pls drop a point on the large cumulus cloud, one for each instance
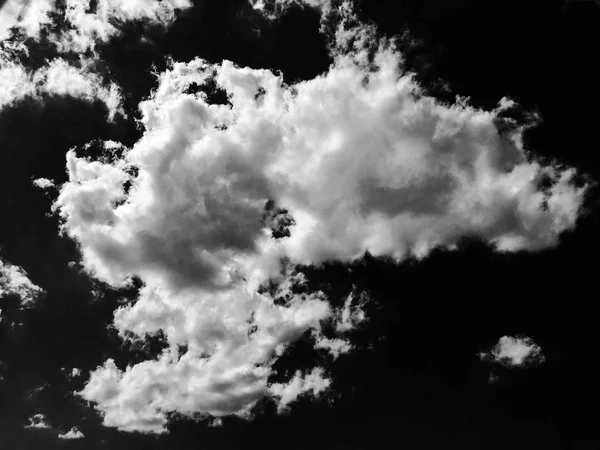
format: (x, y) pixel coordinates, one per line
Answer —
(362, 161)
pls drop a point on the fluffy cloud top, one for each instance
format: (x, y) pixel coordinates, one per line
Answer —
(73, 433)
(514, 351)
(360, 159)
(14, 280)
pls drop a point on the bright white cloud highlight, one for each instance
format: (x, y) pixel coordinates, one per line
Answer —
(14, 281)
(514, 351)
(73, 433)
(360, 158)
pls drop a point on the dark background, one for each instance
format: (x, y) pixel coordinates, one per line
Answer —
(415, 381)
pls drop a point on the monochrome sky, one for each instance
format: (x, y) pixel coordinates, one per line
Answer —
(298, 224)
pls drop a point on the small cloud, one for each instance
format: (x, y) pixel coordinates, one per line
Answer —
(216, 422)
(352, 313)
(14, 280)
(275, 8)
(505, 104)
(514, 352)
(346, 319)
(38, 421)
(56, 77)
(43, 183)
(73, 433)
(313, 383)
(335, 347)
(72, 373)
(493, 378)
(32, 393)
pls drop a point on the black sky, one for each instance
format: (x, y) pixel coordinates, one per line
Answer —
(415, 381)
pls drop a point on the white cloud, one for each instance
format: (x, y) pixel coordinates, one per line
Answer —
(272, 8)
(362, 161)
(73, 433)
(61, 78)
(347, 318)
(352, 313)
(81, 30)
(34, 392)
(225, 368)
(57, 77)
(38, 421)
(84, 26)
(335, 347)
(14, 280)
(514, 351)
(43, 183)
(73, 372)
(218, 422)
(493, 378)
(310, 383)
(32, 16)
(106, 22)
